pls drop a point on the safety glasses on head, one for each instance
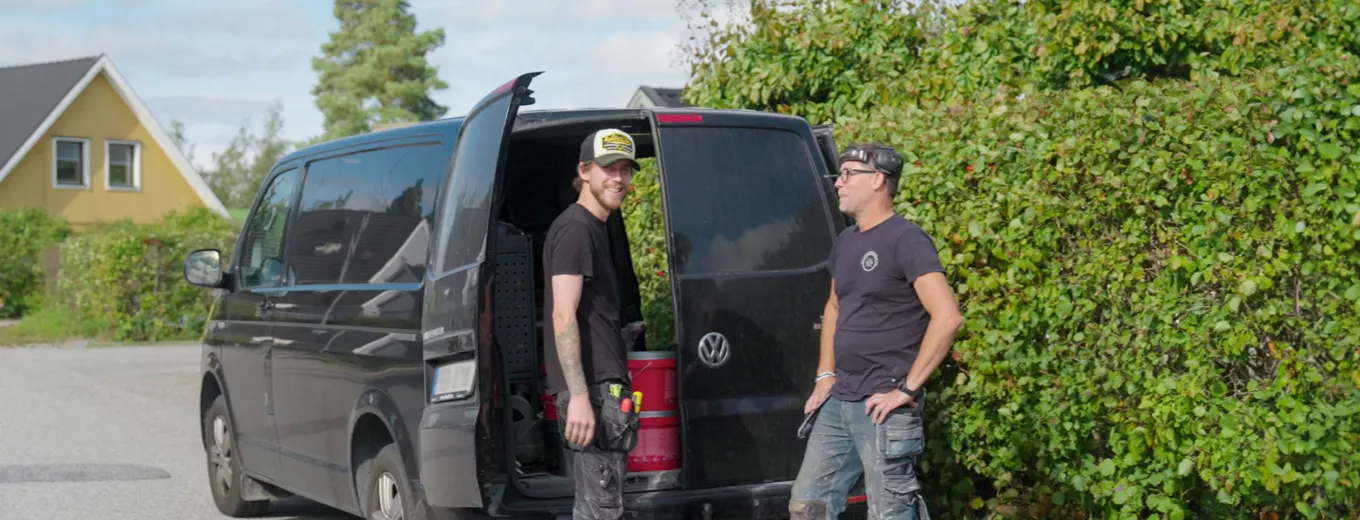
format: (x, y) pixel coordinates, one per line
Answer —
(883, 159)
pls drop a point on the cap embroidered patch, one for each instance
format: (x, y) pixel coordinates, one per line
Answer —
(613, 141)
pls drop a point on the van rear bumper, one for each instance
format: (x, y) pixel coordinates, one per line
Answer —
(748, 501)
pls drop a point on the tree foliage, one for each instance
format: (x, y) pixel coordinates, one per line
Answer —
(374, 69)
(1149, 212)
(238, 170)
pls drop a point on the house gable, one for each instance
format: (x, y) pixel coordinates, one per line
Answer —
(98, 112)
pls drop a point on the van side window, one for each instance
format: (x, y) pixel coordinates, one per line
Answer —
(743, 200)
(365, 218)
(467, 206)
(262, 249)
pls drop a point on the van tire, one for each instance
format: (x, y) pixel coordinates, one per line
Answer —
(385, 474)
(225, 476)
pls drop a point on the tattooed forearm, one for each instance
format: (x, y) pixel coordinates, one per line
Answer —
(569, 353)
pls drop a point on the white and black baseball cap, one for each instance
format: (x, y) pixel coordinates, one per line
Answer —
(609, 145)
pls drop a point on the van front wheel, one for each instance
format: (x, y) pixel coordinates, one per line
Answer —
(224, 464)
(385, 490)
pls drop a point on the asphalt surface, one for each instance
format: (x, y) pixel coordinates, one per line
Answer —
(108, 433)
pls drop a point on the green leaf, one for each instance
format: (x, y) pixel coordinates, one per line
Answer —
(1329, 151)
(1185, 467)
(1247, 288)
(1107, 467)
(1221, 326)
(1235, 303)
(1306, 509)
(1314, 188)
(1353, 293)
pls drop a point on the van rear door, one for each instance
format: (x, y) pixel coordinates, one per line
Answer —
(750, 228)
(459, 371)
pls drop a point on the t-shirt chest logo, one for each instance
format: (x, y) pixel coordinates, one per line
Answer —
(869, 261)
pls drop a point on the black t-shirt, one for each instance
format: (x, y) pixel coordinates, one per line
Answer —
(881, 320)
(578, 243)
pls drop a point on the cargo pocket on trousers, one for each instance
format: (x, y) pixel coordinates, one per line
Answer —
(901, 438)
(606, 491)
(618, 428)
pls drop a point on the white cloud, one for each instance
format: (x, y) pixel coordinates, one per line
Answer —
(573, 14)
(208, 109)
(635, 53)
(39, 4)
(260, 19)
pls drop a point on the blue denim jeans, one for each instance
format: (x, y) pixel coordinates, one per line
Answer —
(844, 444)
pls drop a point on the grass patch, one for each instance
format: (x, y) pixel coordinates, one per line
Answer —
(52, 325)
(238, 215)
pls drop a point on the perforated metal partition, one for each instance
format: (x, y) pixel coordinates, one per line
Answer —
(514, 305)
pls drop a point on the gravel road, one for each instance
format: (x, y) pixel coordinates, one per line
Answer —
(108, 433)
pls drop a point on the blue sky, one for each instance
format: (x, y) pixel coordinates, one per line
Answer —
(217, 65)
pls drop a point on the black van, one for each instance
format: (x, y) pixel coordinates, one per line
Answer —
(375, 340)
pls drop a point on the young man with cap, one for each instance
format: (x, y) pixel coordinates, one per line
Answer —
(888, 324)
(587, 362)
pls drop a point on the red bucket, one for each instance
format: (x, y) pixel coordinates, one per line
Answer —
(549, 407)
(658, 446)
(653, 374)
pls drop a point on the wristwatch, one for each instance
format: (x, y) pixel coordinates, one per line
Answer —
(914, 394)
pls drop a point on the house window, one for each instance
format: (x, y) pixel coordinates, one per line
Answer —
(70, 162)
(124, 168)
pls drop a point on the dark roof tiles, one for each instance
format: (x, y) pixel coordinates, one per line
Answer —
(28, 93)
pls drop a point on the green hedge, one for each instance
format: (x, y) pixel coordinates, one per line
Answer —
(24, 234)
(1162, 291)
(646, 227)
(1149, 213)
(129, 276)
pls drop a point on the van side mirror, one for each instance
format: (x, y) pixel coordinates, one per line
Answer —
(203, 267)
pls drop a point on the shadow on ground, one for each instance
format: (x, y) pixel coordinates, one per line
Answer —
(303, 509)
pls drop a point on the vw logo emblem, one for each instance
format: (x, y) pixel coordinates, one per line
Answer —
(713, 349)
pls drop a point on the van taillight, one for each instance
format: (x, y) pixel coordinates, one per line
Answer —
(679, 118)
(858, 499)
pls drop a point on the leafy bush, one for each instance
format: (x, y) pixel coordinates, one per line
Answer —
(1159, 272)
(24, 233)
(1161, 291)
(646, 225)
(129, 275)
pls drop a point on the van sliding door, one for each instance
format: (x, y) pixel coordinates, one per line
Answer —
(750, 229)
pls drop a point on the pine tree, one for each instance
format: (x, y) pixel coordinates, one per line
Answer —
(373, 70)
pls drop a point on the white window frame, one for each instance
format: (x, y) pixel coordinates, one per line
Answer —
(136, 165)
(84, 163)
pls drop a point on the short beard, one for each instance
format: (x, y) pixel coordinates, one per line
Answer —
(598, 193)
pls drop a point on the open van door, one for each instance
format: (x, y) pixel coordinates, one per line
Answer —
(826, 142)
(456, 328)
(749, 228)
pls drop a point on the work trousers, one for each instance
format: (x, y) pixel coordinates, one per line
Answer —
(845, 443)
(598, 470)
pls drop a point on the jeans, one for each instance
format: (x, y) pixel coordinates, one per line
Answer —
(845, 443)
(597, 473)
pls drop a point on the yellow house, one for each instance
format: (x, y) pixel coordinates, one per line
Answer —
(76, 141)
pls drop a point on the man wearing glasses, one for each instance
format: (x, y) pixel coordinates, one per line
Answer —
(888, 324)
